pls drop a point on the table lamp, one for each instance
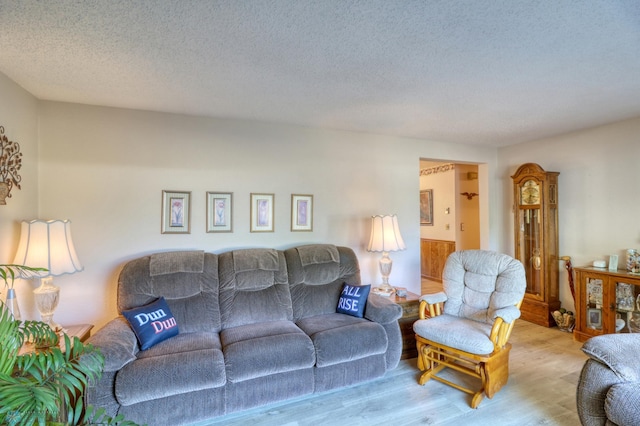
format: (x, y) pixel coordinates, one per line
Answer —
(47, 244)
(385, 237)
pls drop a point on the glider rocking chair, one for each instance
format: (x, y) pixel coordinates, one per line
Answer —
(467, 327)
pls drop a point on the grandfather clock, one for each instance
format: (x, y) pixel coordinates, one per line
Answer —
(536, 234)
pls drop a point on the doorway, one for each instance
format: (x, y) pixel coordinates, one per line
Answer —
(449, 215)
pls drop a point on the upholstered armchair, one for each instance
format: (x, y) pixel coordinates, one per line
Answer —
(467, 326)
(609, 387)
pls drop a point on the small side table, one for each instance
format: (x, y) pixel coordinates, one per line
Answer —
(410, 305)
(81, 331)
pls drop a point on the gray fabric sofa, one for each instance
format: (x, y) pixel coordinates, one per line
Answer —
(256, 326)
(609, 385)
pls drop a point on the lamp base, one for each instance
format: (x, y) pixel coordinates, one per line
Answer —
(383, 290)
(46, 297)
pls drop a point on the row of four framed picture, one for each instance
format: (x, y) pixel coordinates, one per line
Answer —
(176, 212)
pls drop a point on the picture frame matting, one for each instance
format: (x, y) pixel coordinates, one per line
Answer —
(301, 213)
(262, 219)
(176, 212)
(219, 211)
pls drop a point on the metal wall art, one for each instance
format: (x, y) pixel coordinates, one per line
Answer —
(10, 164)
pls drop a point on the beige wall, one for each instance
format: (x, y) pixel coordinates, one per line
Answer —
(598, 208)
(19, 117)
(105, 169)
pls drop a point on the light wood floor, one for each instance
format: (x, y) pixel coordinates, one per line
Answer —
(544, 369)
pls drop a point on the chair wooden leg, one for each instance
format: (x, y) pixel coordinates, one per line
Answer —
(496, 371)
(492, 371)
(421, 364)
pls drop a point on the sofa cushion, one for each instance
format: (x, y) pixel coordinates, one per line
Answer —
(152, 323)
(353, 299)
(461, 333)
(191, 296)
(188, 362)
(262, 349)
(320, 263)
(316, 274)
(253, 287)
(339, 338)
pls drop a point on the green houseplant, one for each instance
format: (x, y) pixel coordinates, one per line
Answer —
(45, 386)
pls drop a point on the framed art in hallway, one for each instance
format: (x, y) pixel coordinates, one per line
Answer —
(426, 207)
(301, 212)
(176, 212)
(262, 212)
(219, 211)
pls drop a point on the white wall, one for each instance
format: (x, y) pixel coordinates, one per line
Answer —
(599, 209)
(19, 117)
(467, 211)
(105, 169)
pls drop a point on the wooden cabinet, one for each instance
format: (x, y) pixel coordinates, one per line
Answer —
(606, 302)
(410, 305)
(433, 255)
(536, 240)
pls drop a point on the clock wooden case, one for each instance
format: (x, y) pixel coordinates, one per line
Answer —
(536, 240)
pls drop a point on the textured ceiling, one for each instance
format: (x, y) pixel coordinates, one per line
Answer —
(476, 72)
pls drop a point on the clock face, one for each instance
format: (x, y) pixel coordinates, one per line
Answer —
(530, 193)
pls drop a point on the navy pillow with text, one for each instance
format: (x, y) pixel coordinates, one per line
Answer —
(152, 323)
(353, 299)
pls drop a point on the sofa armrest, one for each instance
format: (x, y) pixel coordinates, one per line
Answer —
(117, 342)
(623, 403)
(614, 351)
(382, 309)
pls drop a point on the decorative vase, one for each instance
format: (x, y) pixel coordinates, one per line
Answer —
(11, 302)
(4, 191)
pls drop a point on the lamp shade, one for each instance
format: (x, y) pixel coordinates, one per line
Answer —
(385, 234)
(48, 244)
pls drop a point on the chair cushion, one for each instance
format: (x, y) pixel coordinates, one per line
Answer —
(188, 362)
(262, 349)
(460, 333)
(339, 338)
(479, 282)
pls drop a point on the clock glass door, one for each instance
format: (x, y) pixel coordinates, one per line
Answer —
(530, 249)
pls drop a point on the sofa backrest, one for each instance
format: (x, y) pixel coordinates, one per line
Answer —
(316, 275)
(188, 280)
(253, 287)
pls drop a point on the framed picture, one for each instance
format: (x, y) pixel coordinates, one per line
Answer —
(176, 212)
(219, 211)
(262, 212)
(594, 318)
(426, 207)
(301, 212)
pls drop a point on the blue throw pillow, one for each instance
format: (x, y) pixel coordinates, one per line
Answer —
(353, 299)
(152, 323)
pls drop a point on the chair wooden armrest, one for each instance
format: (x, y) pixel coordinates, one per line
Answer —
(427, 310)
(501, 331)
